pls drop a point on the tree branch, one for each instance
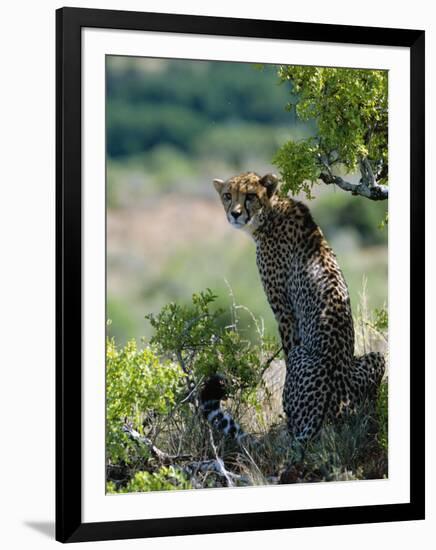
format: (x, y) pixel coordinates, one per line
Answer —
(161, 456)
(367, 173)
(215, 465)
(366, 188)
(219, 461)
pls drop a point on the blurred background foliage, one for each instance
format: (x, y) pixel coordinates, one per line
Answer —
(173, 126)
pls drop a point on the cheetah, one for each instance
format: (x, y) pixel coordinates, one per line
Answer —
(309, 297)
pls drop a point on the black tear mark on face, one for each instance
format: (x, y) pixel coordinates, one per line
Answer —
(251, 202)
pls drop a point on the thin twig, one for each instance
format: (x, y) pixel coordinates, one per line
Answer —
(188, 397)
(233, 308)
(260, 331)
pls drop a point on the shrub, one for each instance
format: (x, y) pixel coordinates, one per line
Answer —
(165, 479)
(193, 336)
(136, 382)
(156, 389)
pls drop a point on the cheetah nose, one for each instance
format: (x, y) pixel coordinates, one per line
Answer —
(236, 214)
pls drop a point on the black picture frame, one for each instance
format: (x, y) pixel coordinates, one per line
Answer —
(69, 525)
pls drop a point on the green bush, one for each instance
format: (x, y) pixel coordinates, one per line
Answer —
(136, 382)
(165, 479)
(151, 389)
(156, 391)
(194, 335)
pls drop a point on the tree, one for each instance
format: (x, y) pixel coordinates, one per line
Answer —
(350, 110)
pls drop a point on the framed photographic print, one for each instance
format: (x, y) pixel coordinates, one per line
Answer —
(240, 274)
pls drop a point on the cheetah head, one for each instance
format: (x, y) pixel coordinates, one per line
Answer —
(246, 198)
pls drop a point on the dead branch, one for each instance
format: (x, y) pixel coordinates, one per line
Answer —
(219, 462)
(161, 456)
(213, 465)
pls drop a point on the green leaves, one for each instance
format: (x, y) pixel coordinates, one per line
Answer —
(179, 328)
(298, 165)
(147, 388)
(381, 320)
(350, 108)
(195, 335)
(165, 479)
(136, 382)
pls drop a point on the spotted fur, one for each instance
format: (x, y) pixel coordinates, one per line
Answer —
(309, 297)
(214, 389)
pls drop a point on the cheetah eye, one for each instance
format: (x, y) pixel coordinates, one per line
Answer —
(251, 196)
(227, 196)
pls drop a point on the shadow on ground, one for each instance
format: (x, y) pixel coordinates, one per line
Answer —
(47, 528)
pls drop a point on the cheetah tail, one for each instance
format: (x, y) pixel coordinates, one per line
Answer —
(211, 394)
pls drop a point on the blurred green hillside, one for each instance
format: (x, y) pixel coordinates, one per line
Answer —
(173, 126)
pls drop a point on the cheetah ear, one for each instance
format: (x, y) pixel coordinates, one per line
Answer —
(270, 182)
(218, 184)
